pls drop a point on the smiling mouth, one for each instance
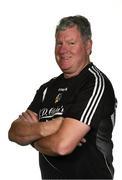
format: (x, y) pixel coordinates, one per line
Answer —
(64, 62)
(65, 58)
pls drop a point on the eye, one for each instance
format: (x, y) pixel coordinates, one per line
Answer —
(71, 43)
(58, 43)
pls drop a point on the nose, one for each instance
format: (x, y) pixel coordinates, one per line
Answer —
(62, 49)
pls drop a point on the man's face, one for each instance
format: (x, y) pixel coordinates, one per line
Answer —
(71, 51)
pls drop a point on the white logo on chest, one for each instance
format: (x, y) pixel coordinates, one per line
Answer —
(50, 113)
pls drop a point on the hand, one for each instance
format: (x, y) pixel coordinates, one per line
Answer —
(82, 142)
(29, 116)
(23, 125)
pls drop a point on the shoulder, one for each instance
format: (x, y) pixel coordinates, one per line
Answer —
(92, 77)
(99, 82)
(103, 82)
(98, 76)
(50, 83)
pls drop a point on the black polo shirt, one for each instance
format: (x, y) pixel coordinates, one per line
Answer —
(89, 98)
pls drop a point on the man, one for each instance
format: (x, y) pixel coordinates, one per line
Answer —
(71, 118)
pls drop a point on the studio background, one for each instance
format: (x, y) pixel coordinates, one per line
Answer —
(27, 60)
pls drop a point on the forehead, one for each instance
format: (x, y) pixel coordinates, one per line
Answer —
(69, 33)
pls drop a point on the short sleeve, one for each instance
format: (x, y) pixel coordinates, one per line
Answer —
(37, 101)
(87, 106)
(36, 104)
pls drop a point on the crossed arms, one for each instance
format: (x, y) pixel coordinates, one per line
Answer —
(59, 136)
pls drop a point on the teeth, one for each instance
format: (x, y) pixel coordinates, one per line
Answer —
(65, 57)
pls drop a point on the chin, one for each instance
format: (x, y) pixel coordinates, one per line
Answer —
(64, 68)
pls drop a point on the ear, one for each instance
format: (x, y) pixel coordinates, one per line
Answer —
(89, 46)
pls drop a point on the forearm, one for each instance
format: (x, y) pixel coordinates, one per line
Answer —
(50, 127)
(53, 145)
(25, 133)
(46, 145)
(65, 140)
(21, 140)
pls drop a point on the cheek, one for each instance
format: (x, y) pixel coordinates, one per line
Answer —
(56, 54)
(79, 52)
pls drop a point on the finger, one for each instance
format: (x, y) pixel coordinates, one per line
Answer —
(31, 112)
(22, 118)
(26, 116)
(80, 144)
(83, 140)
(33, 115)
